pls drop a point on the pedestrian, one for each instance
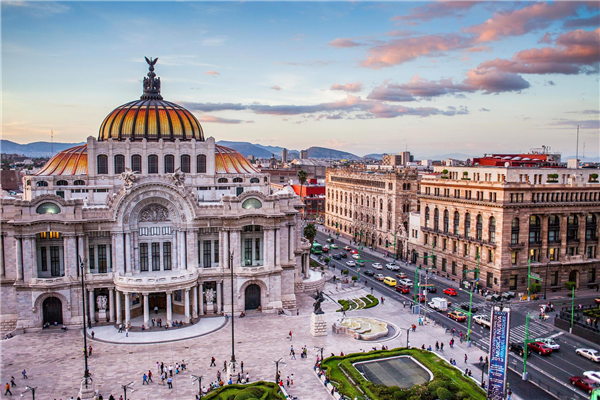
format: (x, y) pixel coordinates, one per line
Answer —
(93, 334)
(127, 332)
(12, 381)
(480, 360)
(212, 362)
(155, 309)
(224, 365)
(466, 358)
(24, 374)
(149, 376)
(120, 328)
(171, 370)
(292, 379)
(242, 366)
(293, 355)
(290, 335)
(420, 321)
(442, 346)
(145, 380)
(404, 302)
(437, 345)
(7, 387)
(157, 366)
(291, 349)
(371, 290)
(90, 352)
(287, 381)
(162, 367)
(170, 383)
(247, 377)
(382, 300)
(509, 394)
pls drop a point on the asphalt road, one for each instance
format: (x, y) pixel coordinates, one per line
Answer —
(558, 367)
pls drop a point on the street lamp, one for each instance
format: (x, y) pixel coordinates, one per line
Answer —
(407, 337)
(86, 372)
(277, 370)
(196, 378)
(125, 387)
(321, 350)
(232, 311)
(30, 389)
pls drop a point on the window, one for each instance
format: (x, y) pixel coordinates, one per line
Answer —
(257, 249)
(79, 182)
(136, 163)
(119, 163)
(456, 222)
(143, 257)
(446, 221)
(256, 180)
(54, 261)
(513, 282)
(479, 228)
(436, 219)
(554, 279)
(467, 224)
(514, 233)
(514, 257)
(185, 163)
(490, 279)
(535, 228)
(248, 251)
(102, 260)
(490, 255)
(169, 164)
(426, 216)
(554, 229)
(492, 230)
(590, 227)
(43, 259)
(155, 256)
(167, 256)
(453, 267)
(200, 164)
(444, 262)
(591, 251)
(553, 253)
(92, 258)
(102, 166)
(454, 246)
(238, 180)
(466, 249)
(592, 275)
(222, 180)
(62, 183)
(47, 208)
(216, 251)
(534, 255)
(572, 229)
(206, 262)
(41, 184)
(153, 164)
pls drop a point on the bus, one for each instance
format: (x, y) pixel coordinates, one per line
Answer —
(316, 248)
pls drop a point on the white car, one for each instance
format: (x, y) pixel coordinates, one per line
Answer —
(392, 267)
(550, 343)
(351, 263)
(356, 256)
(593, 375)
(405, 282)
(592, 354)
(376, 266)
(483, 320)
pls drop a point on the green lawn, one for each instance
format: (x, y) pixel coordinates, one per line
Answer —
(448, 382)
(257, 390)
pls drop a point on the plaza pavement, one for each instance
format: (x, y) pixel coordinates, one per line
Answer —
(54, 360)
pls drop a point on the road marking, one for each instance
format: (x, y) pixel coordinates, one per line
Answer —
(557, 335)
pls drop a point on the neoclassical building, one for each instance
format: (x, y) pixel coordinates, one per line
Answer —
(154, 215)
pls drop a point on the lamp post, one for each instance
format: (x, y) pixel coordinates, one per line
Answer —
(196, 378)
(321, 350)
(125, 387)
(407, 337)
(525, 347)
(232, 311)
(30, 389)
(572, 307)
(86, 372)
(277, 370)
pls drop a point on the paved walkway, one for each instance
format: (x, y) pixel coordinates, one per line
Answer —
(54, 360)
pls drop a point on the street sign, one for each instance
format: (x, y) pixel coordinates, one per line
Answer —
(499, 337)
(535, 276)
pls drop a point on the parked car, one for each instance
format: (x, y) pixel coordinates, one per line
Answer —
(379, 277)
(550, 343)
(518, 349)
(334, 246)
(465, 306)
(593, 375)
(405, 282)
(347, 248)
(540, 348)
(377, 266)
(402, 289)
(508, 295)
(369, 272)
(344, 255)
(483, 320)
(351, 263)
(401, 275)
(450, 292)
(336, 256)
(589, 353)
(584, 383)
(392, 267)
(493, 297)
(457, 316)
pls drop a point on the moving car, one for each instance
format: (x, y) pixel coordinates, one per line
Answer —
(465, 306)
(597, 299)
(361, 263)
(379, 277)
(376, 266)
(325, 249)
(589, 353)
(344, 255)
(334, 246)
(457, 316)
(450, 292)
(550, 343)
(392, 267)
(518, 348)
(353, 251)
(540, 348)
(347, 248)
(369, 272)
(402, 289)
(405, 282)
(593, 375)
(430, 287)
(355, 256)
(439, 304)
(336, 256)
(401, 275)
(389, 281)
(330, 240)
(483, 320)
(584, 383)
(351, 263)
(422, 298)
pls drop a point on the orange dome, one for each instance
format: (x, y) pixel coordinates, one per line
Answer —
(229, 161)
(71, 161)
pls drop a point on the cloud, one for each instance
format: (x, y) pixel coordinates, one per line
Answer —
(436, 10)
(401, 33)
(399, 51)
(593, 21)
(592, 124)
(217, 120)
(491, 80)
(348, 87)
(484, 110)
(343, 43)
(310, 63)
(386, 92)
(275, 87)
(213, 73)
(546, 39)
(550, 83)
(39, 9)
(584, 112)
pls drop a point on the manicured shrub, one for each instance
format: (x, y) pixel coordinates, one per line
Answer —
(444, 394)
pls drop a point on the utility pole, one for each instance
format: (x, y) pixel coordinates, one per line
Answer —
(417, 271)
(572, 308)
(525, 347)
(476, 270)
(196, 378)
(530, 276)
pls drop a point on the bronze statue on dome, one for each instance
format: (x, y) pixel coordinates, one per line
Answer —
(151, 83)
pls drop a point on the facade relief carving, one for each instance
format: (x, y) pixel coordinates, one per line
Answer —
(154, 213)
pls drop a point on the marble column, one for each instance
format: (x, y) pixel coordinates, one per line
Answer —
(29, 258)
(111, 304)
(169, 308)
(118, 253)
(235, 245)
(195, 301)
(146, 310)
(224, 244)
(191, 249)
(186, 300)
(92, 306)
(2, 270)
(292, 243)
(277, 247)
(19, 251)
(201, 297)
(127, 309)
(118, 306)
(219, 290)
(268, 246)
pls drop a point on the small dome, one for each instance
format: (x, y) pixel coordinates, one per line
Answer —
(229, 161)
(71, 161)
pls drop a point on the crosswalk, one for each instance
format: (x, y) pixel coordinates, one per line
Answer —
(517, 333)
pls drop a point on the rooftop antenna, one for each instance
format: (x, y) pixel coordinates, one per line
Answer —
(577, 150)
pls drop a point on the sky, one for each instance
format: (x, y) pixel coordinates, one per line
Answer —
(364, 77)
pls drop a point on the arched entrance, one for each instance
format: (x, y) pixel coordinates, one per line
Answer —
(252, 295)
(52, 310)
(574, 277)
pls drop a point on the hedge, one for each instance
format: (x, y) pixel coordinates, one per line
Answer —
(257, 390)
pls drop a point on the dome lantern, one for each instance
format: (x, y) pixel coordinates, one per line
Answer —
(151, 83)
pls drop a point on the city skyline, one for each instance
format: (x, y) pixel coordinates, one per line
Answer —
(461, 77)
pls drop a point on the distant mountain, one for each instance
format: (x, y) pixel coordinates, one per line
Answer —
(375, 156)
(261, 151)
(247, 149)
(276, 150)
(323, 152)
(36, 149)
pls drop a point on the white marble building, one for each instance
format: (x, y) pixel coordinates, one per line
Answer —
(159, 215)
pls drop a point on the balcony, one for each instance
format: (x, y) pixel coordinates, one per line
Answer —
(535, 243)
(515, 246)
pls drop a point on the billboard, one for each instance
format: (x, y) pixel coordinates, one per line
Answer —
(499, 336)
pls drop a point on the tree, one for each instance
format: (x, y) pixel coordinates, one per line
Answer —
(535, 288)
(302, 176)
(310, 232)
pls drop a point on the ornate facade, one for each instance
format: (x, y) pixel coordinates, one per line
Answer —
(372, 206)
(154, 215)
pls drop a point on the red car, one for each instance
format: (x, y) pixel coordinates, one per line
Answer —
(353, 251)
(450, 292)
(540, 348)
(422, 298)
(584, 383)
(403, 289)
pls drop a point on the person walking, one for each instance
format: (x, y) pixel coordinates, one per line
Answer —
(290, 335)
(212, 362)
(7, 391)
(242, 366)
(157, 367)
(293, 355)
(171, 370)
(292, 379)
(150, 376)
(12, 381)
(466, 358)
(224, 365)
(93, 334)
(24, 374)
(170, 383)
(382, 299)
(145, 380)
(127, 332)
(90, 352)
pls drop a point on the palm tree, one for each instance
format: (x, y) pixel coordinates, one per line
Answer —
(310, 232)
(302, 176)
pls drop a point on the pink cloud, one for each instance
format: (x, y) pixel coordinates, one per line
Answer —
(217, 120)
(343, 43)
(275, 87)
(436, 10)
(491, 80)
(348, 87)
(214, 73)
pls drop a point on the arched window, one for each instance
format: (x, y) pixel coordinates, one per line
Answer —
(185, 163)
(153, 164)
(238, 180)
(368, 202)
(119, 163)
(467, 224)
(222, 180)
(390, 206)
(479, 228)
(169, 164)
(554, 229)
(591, 227)
(41, 184)
(514, 231)
(456, 222)
(201, 164)
(446, 221)
(62, 183)
(136, 163)
(426, 216)
(79, 182)
(572, 228)
(535, 229)
(254, 180)
(47, 208)
(380, 205)
(436, 219)
(102, 164)
(492, 229)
